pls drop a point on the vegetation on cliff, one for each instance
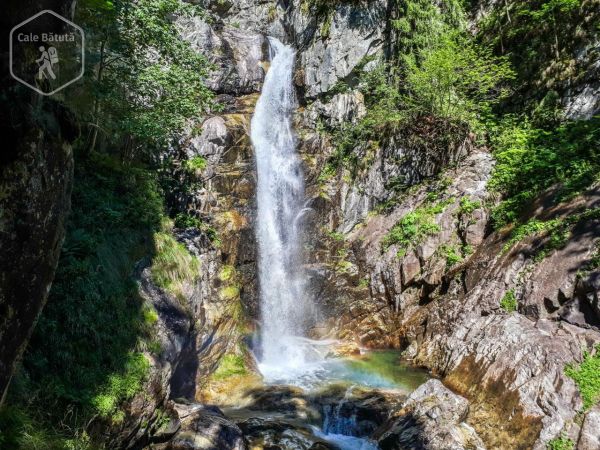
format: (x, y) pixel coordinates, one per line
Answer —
(86, 356)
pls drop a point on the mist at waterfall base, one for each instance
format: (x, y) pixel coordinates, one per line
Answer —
(286, 309)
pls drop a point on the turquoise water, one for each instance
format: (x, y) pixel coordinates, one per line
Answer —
(374, 370)
(379, 369)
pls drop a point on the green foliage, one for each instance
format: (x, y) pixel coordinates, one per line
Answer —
(561, 443)
(456, 80)
(420, 24)
(468, 206)
(530, 160)
(364, 282)
(149, 314)
(183, 220)
(441, 82)
(509, 301)
(173, 265)
(342, 265)
(84, 355)
(230, 365)
(452, 255)
(144, 81)
(21, 430)
(414, 227)
(195, 164)
(557, 231)
(336, 236)
(587, 377)
(539, 37)
(121, 386)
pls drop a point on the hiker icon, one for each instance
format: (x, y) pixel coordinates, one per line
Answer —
(48, 59)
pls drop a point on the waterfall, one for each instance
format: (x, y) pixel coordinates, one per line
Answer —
(284, 304)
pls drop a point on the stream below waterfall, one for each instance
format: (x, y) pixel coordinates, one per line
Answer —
(339, 405)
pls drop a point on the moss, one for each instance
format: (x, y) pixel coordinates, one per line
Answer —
(230, 292)
(227, 273)
(587, 377)
(229, 366)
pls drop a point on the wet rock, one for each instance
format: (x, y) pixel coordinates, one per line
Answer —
(281, 434)
(353, 411)
(205, 428)
(285, 399)
(431, 418)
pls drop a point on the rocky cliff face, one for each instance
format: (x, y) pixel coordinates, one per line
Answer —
(439, 297)
(36, 171)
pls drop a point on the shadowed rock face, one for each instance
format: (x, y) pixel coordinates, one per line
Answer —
(36, 171)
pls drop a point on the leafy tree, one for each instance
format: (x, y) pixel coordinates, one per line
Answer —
(457, 79)
(146, 81)
(420, 23)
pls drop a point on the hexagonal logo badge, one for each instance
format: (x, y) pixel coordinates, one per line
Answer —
(47, 52)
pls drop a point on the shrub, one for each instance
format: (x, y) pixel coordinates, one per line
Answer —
(183, 220)
(530, 160)
(230, 292)
(587, 377)
(121, 387)
(456, 80)
(93, 327)
(195, 165)
(509, 301)
(452, 256)
(561, 443)
(468, 206)
(414, 227)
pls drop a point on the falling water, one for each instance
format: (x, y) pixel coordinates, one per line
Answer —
(285, 306)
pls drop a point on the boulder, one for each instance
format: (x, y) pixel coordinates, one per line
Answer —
(432, 418)
(205, 428)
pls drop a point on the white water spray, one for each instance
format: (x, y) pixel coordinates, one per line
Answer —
(285, 306)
